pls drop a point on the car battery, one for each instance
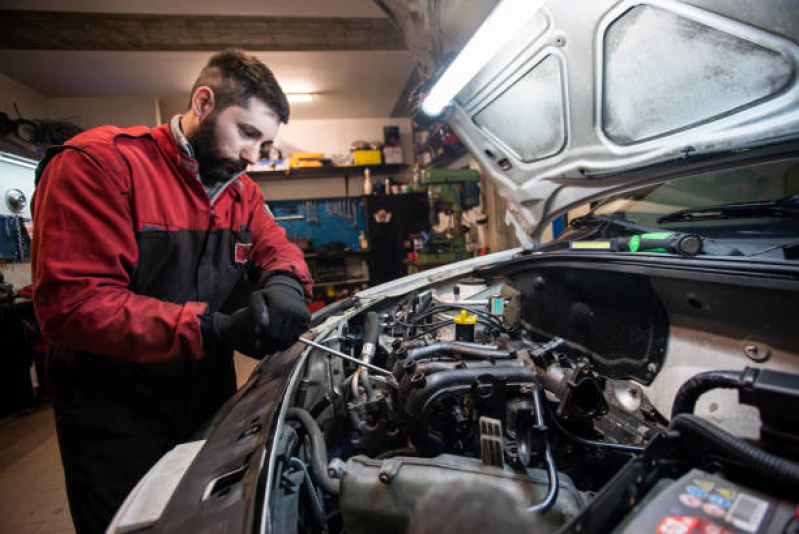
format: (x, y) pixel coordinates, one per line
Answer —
(701, 503)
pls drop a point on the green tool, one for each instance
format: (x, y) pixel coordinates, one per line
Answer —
(673, 242)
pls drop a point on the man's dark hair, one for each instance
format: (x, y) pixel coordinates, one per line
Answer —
(236, 77)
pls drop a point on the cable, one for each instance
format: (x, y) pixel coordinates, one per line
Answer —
(621, 447)
(317, 504)
(552, 472)
(689, 392)
(765, 464)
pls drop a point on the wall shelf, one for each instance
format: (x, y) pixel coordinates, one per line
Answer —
(325, 172)
(342, 282)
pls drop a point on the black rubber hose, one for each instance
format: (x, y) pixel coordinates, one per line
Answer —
(317, 504)
(457, 349)
(768, 465)
(689, 393)
(319, 452)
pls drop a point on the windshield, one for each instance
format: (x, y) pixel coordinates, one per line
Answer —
(746, 230)
(761, 182)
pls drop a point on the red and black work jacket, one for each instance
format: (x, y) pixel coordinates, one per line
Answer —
(128, 251)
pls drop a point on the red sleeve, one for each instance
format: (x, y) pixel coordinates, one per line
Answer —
(272, 251)
(83, 251)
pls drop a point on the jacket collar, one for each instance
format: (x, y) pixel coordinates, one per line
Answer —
(176, 147)
(167, 143)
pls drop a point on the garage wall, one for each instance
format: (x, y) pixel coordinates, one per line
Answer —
(332, 137)
(119, 111)
(31, 104)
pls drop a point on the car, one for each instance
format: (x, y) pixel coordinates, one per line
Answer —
(639, 372)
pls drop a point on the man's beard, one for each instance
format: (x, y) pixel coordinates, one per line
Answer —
(213, 167)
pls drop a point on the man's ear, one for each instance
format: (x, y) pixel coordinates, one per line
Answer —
(202, 101)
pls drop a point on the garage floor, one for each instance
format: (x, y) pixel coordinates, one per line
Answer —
(32, 495)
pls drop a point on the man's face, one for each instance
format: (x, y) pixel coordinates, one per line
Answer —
(227, 140)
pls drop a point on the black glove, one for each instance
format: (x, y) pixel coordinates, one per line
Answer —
(288, 313)
(275, 317)
(243, 330)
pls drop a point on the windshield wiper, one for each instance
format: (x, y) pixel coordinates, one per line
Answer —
(592, 219)
(783, 207)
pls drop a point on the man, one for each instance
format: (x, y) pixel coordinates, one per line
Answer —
(140, 235)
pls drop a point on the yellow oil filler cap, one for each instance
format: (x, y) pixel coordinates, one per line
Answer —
(464, 326)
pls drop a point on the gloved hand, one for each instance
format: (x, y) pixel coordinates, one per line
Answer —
(288, 313)
(243, 330)
(275, 317)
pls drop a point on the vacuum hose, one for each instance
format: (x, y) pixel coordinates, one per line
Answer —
(319, 450)
(773, 467)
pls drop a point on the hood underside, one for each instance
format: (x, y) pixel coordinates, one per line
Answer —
(589, 88)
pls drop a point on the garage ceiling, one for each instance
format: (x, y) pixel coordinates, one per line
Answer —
(344, 51)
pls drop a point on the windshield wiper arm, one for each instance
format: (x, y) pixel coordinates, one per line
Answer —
(612, 221)
(783, 207)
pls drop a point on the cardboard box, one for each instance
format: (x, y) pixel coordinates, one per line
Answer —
(392, 155)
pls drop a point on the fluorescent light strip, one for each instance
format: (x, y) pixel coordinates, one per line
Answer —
(299, 97)
(498, 28)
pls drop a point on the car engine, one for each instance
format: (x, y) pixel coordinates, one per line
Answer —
(526, 386)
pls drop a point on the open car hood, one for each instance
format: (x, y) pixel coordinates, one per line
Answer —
(588, 89)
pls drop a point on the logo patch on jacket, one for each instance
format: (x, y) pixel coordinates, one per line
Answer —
(242, 252)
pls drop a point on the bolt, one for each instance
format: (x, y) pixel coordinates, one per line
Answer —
(756, 351)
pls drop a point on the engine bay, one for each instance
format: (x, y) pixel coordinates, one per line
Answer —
(546, 387)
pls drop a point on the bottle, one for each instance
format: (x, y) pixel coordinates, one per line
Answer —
(367, 182)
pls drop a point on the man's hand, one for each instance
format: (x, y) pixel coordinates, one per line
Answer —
(273, 320)
(288, 313)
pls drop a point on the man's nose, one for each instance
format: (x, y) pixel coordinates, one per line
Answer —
(251, 154)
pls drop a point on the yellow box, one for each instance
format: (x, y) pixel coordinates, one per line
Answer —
(306, 159)
(367, 157)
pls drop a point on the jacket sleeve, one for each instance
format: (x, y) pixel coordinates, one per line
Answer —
(83, 253)
(272, 252)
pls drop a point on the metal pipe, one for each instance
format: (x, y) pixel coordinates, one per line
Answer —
(371, 332)
(349, 358)
(552, 471)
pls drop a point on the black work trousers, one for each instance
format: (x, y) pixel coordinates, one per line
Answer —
(115, 420)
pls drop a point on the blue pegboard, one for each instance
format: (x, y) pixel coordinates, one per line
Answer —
(14, 239)
(323, 220)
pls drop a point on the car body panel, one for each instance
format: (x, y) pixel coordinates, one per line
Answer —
(590, 87)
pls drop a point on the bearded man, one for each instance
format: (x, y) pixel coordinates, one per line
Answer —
(140, 236)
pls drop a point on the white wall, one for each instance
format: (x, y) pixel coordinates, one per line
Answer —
(332, 137)
(99, 111)
(31, 104)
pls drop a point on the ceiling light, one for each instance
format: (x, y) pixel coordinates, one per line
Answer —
(299, 97)
(497, 29)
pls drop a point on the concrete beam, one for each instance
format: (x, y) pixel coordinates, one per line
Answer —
(51, 30)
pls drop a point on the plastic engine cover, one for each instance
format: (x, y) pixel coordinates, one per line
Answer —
(382, 495)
